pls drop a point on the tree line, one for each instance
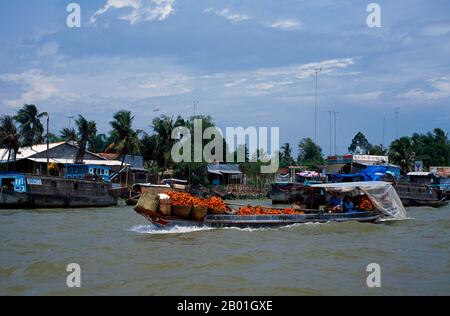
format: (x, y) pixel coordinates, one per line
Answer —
(26, 128)
(433, 148)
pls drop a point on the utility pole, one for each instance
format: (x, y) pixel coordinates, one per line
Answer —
(397, 109)
(196, 103)
(316, 71)
(335, 132)
(384, 133)
(331, 133)
(48, 146)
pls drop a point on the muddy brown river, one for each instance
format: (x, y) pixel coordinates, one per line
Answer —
(119, 253)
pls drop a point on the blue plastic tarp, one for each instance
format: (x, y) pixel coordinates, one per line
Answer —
(371, 173)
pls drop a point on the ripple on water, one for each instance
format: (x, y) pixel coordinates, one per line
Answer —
(43, 268)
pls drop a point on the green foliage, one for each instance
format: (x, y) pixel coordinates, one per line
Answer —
(86, 133)
(163, 127)
(360, 145)
(9, 138)
(124, 140)
(286, 159)
(310, 154)
(98, 143)
(68, 134)
(402, 153)
(432, 148)
(31, 128)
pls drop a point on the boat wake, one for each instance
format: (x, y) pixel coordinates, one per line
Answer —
(156, 230)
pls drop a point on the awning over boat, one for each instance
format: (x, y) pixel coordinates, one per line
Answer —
(352, 185)
(382, 194)
(420, 174)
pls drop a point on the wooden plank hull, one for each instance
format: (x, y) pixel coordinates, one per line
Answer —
(14, 200)
(258, 221)
(57, 192)
(420, 195)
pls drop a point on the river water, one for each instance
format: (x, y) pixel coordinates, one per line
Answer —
(121, 254)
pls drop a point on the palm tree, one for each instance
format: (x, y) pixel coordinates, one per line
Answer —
(31, 127)
(86, 132)
(402, 153)
(68, 134)
(124, 139)
(164, 126)
(286, 159)
(9, 138)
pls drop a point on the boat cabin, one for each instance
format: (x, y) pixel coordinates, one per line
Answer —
(13, 182)
(80, 171)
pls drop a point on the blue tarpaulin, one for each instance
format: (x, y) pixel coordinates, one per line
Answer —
(371, 173)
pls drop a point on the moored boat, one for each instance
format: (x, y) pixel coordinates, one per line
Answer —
(423, 189)
(82, 186)
(288, 188)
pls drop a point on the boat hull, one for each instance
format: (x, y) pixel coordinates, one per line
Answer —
(285, 193)
(15, 200)
(420, 195)
(258, 221)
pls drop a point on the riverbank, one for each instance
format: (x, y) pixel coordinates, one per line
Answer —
(120, 254)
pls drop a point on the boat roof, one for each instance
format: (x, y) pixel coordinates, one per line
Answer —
(420, 174)
(351, 184)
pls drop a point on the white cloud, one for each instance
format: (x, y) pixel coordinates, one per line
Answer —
(274, 79)
(286, 24)
(227, 14)
(141, 10)
(90, 81)
(439, 88)
(436, 30)
(37, 87)
(48, 49)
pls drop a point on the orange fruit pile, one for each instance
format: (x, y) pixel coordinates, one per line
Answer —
(184, 199)
(180, 198)
(258, 210)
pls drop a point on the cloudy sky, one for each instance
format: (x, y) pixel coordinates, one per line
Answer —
(247, 62)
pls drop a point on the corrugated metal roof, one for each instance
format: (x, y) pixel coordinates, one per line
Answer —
(25, 152)
(224, 169)
(110, 163)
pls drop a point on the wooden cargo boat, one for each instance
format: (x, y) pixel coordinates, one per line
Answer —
(289, 188)
(167, 185)
(423, 189)
(386, 205)
(25, 191)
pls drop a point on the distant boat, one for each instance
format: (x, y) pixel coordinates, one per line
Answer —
(290, 188)
(423, 189)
